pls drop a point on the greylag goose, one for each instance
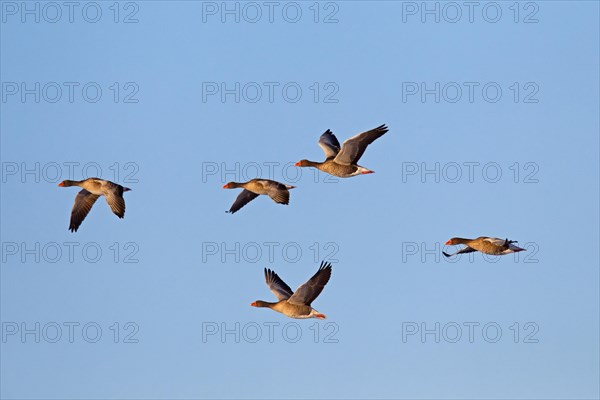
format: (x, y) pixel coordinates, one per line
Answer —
(342, 160)
(92, 188)
(255, 187)
(296, 304)
(484, 244)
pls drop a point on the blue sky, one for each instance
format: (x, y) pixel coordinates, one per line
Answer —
(141, 303)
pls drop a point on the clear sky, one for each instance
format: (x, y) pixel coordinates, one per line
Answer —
(494, 131)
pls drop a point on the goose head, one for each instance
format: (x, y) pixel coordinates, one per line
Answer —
(231, 185)
(303, 163)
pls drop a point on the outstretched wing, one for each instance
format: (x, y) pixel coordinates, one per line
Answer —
(82, 206)
(116, 201)
(309, 291)
(464, 250)
(329, 144)
(243, 198)
(515, 248)
(353, 148)
(278, 193)
(279, 288)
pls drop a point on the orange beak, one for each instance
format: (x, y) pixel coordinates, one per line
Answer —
(253, 304)
(297, 164)
(61, 184)
(226, 186)
(448, 242)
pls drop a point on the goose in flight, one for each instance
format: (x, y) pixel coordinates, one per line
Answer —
(484, 244)
(342, 160)
(92, 188)
(255, 187)
(296, 304)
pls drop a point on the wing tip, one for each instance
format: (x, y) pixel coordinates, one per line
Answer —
(383, 128)
(325, 265)
(73, 226)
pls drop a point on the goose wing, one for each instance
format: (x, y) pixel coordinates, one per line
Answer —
(278, 192)
(243, 198)
(464, 250)
(329, 144)
(114, 198)
(82, 206)
(279, 288)
(310, 290)
(353, 148)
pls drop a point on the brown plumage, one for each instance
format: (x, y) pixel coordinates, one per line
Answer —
(296, 304)
(92, 188)
(484, 244)
(255, 187)
(342, 160)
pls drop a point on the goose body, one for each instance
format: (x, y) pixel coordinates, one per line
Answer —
(484, 244)
(296, 304)
(278, 192)
(341, 161)
(92, 188)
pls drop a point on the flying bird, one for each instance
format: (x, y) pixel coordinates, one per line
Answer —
(92, 188)
(342, 160)
(296, 304)
(484, 244)
(255, 187)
